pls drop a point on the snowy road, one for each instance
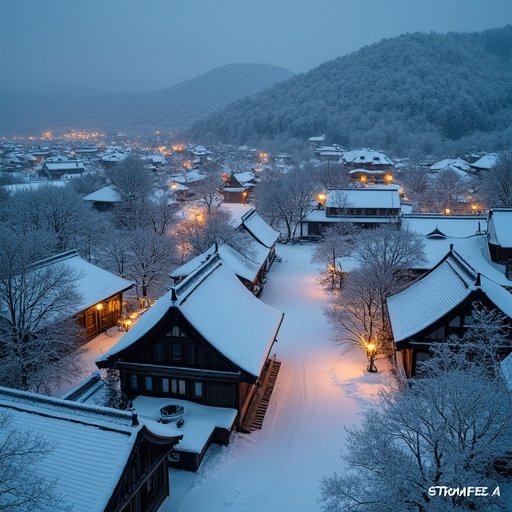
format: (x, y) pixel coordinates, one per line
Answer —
(319, 392)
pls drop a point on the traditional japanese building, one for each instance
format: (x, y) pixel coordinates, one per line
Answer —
(365, 207)
(208, 340)
(440, 303)
(55, 170)
(248, 265)
(101, 459)
(499, 235)
(100, 291)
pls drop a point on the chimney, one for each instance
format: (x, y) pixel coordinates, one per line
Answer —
(478, 281)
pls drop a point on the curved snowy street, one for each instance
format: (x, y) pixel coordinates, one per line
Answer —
(320, 391)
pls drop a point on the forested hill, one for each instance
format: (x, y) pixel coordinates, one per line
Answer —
(172, 108)
(418, 90)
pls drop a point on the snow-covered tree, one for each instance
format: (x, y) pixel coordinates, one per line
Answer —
(336, 243)
(495, 185)
(449, 429)
(38, 335)
(149, 259)
(61, 212)
(387, 254)
(21, 488)
(286, 197)
(448, 186)
(356, 315)
(198, 234)
(207, 192)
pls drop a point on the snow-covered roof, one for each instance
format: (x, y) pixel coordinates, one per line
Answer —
(174, 185)
(366, 171)
(500, 227)
(455, 164)
(259, 229)
(200, 421)
(367, 156)
(94, 283)
(244, 177)
(33, 185)
(245, 266)
(506, 370)
(439, 291)
(91, 444)
(320, 138)
(114, 157)
(108, 194)
(222, 310)
(189, 177)
(452, 226)
(70, 165)
(486, 162)
(370, 197)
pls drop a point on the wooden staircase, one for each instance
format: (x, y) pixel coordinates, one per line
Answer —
(256, 415)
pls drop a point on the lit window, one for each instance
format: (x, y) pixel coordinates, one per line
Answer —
(198, 389)
(181, 387)
(165, 385)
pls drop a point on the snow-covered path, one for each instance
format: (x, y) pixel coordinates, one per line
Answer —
(319, 392)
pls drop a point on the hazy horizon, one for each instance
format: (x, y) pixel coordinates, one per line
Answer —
(130, 46)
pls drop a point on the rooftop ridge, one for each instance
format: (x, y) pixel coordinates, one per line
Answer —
(192, 281)
(470, 272)
(56, 407)
(56, 258)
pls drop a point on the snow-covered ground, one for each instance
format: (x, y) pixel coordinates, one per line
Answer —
(321, 389)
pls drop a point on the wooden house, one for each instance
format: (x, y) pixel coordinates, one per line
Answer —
(238, 186)
(439, 304)
(367, 159)
(249, 266)
(101, 459)
(104, 199)
(101, 292)
(55, 170)
(208, 340)
(365, 207)
(499, 235)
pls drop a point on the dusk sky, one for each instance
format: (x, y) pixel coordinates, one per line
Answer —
(135, 45)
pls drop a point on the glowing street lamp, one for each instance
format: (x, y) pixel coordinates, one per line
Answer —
(321, 198)
(371, 351)
(447, 211)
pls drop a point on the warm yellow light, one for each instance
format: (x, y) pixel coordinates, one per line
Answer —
(474, 207)
(447, 211)
(99, 306)
(363, 179)
(174, 185)
(388, 178)
(371, 347)
(321, 197)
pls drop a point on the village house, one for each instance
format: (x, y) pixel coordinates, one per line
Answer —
(367, 159)
(100, 291)
(439, 304)
(101, 459)
(207, 341)
(104, 199)
(248, 265)
(365, 207)
(499, 235)
(55, 169)
(238, 186)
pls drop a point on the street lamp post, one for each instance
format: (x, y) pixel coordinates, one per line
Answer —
(371, 351)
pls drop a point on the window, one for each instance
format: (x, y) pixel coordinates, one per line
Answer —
(198, 389)
(148, 381)
(176, 352)
(134, 382)
(181, 387)
(176, 332)
(174, 386)
(165, 385)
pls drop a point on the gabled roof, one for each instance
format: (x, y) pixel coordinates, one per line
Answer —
(94, 283)
(108, 194)
(366, 156)
(91, 444)
(69, 165)
(227, 315)
(439, 291)
(500, 227)
(244, 266)
(259, 229)
(486, 162)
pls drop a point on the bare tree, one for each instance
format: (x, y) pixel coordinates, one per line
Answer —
(61, 212)
(336, 243)
(444, 431)
(356, 316)
(21, 488)
(495, 185)
(135, 185)
(286, 197)
(198, 234)
(387, 254)
(448, 186)
(37, 334)
(150, 257)
(207, 192)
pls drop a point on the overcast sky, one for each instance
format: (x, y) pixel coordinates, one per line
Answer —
(139, 45)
